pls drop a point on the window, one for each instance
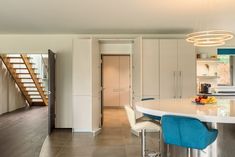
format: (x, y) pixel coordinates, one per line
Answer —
(224, 70)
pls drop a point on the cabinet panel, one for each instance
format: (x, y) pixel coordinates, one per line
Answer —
(82, 114)
(96, 68)
(150, 66)
(187, 69)
(96, 112)
(82, 67)
(136, 70)
(168, 68)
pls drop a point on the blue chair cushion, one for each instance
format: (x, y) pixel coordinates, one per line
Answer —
(187, 132)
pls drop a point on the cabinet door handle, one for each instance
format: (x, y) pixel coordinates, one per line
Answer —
(180, 84)
(174, 84)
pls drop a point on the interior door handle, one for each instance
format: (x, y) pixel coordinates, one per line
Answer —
(181, 84)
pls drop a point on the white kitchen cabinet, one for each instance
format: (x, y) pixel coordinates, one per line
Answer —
(168, 68)
(86, 85)
(177, 69)
(81, 67)
(150, 68)
(187, 69)
(137, 70)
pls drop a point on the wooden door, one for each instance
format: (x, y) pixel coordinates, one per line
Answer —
(110, 80)
(124, 82)
(116, 80)
(51, 91)
(168, 68)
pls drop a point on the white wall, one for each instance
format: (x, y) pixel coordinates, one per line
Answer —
(10, 95)
(213, 50)
(115, 48)
(62, 46)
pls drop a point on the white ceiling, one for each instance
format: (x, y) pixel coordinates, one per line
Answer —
(115, 16)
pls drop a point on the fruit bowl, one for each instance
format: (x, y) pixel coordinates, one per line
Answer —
(205, 100)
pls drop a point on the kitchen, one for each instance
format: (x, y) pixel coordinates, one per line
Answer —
(215, 73)
(164, 66)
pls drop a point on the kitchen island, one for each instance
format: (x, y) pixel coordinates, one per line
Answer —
(220, 115)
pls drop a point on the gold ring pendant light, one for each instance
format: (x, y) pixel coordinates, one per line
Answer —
(209, 38)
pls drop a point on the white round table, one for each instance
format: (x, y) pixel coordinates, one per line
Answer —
(220, 115)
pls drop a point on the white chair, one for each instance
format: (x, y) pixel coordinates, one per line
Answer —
(143, 127)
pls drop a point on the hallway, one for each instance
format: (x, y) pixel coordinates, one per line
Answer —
(115, 140)
(23, 131)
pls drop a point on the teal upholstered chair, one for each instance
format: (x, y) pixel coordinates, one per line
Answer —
(148, 115)
(187, 132)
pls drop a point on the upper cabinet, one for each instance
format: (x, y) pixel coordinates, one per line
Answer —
(177, 69)
(150, 68)
(82, 67)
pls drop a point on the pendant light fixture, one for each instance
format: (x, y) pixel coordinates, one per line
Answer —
(209, 38)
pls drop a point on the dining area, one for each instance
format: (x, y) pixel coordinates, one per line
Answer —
(186, 128)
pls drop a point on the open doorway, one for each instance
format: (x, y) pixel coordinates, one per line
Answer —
(115, 81)
(27, 99)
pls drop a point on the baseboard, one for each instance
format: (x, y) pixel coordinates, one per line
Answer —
(96, 132)
(113, 107)
(81, 131)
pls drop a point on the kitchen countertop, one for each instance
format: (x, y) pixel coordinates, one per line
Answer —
(217, 94)
(221, 112)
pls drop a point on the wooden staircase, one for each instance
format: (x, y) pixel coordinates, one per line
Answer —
(26, 78)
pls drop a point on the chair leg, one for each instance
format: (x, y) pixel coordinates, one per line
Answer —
(188, 152)
(160, 152)
(168, 150)
(143, 142)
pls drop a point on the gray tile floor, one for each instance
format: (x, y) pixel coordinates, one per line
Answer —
(115, 140)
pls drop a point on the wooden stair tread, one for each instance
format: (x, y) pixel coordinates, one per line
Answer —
(23, 77)
(16, 57)
(16, 63)
(29, 82)
(22, 68)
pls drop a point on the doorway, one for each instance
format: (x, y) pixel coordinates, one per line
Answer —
(29, 80)
(25, 80)
(115, 81)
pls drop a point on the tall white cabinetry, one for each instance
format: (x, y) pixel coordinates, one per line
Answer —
(86, 85)
(150, 68)
(177, 69)
(136, 70)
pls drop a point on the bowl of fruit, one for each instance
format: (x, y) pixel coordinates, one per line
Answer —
(205, 100)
